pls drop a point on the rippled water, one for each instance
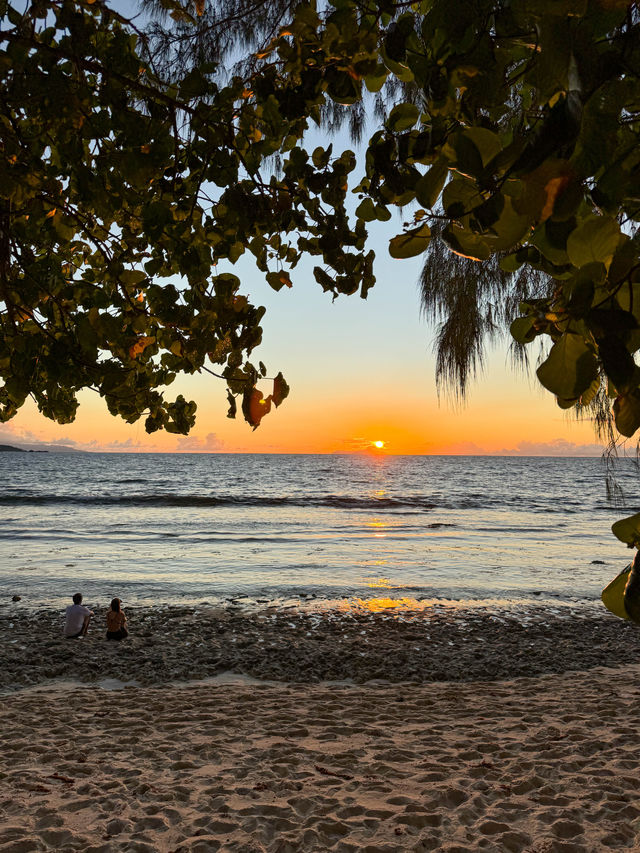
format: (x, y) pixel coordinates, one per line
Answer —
(152, 527)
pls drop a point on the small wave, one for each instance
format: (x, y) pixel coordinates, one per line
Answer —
(169, 500)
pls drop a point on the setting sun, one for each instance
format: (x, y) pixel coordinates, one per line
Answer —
(379, 444)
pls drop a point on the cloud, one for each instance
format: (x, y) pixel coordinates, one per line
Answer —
(128, 445)
(9, 432)
(24, 438)
(557, 447)
(463, 448)
(193, 444)
(352, 445)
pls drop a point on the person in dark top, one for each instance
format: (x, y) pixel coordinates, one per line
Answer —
(116, 621)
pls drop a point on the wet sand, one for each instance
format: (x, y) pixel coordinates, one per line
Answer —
(480, 731)
(439, 644)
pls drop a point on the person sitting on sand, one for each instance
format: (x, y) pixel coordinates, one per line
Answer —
(116, 621)
(77, 618)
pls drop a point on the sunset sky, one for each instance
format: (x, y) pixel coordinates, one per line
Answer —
(359, 371)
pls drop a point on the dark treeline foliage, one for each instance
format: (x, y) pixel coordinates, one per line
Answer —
(132, 165)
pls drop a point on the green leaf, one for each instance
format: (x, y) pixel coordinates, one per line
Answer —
(486, 142)
(510, 263)
(410, 243)
(595, 240)
(627, 530)
(626, 412)
(278, 280)
(591, 392)
(280, 390)
(233, 406)
(581, 289)
(366, 210)
(567, 404)
(321, 156)
(465, 243)
(374, 80)
(342, 88)
(430, 185)
(570, 368)
(508, 230)
(133, 277)
(460, 196)
(324, 279)
(403, 117)
(522, 330)
(467, 157)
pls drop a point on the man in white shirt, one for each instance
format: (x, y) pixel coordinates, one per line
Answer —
(77, 618)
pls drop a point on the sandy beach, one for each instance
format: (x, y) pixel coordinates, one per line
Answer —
(467, 753)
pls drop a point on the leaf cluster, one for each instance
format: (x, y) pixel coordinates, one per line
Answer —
(121, 194)
(524, 151)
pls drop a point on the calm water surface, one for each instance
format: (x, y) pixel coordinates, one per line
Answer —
(166, 528)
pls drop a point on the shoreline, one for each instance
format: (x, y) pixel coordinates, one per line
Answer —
(186, 644)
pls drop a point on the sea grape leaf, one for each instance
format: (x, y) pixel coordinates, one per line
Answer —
(627, 530)
(233, 408)
(487, 143)
(366, 210)
(590, 393)
(581, 289)
(542, 188)
(279, 279)
(522, 329)
(618, 363)
(140, 345)
(465, 243)
(410, 243)
(468, 161)
(375, 80)
(403, 117)
(280, 390)
(570, 367)
(567, 404)
(430, 185)
(255, 406)
(508, 230)
(510, 263)
(626, 411)
(595, 240)
(460, 197)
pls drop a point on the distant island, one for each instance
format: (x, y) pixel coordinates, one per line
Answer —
(8, 448)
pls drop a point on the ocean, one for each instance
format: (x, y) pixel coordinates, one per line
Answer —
(359, 530)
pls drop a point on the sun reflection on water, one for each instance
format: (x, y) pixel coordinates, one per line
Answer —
(407, 607)
(378, 583)
(379, 605)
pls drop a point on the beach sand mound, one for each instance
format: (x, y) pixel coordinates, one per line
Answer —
(544, 765)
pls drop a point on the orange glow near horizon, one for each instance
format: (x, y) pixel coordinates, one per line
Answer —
(311, 424)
